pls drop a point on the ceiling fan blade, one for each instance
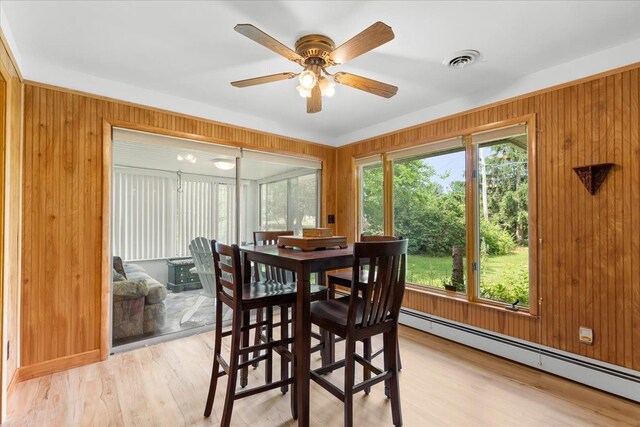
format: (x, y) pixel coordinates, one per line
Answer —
(368, 85)
(314, 103)
(263, 79)
(267, 41)
(369, 39)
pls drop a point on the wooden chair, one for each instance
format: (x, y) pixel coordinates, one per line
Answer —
(200, 249)
(344, 279)
(242, 297)
(365, 313)
(267, 272)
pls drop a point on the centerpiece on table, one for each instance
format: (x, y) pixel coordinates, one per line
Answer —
(312, 239)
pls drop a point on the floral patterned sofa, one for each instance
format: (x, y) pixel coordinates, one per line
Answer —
(138, 301)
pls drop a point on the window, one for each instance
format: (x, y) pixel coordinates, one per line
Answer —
(503, 217)
(290, 203)
(464, 206)
(429, 210)
(371, 175)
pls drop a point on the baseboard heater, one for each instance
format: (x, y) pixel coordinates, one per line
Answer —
(604, 376)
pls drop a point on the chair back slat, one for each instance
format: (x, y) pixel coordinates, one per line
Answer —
(228, 271)
(269, 237)
(385, 282)
(200, 249)
(267, 272)
(377, 238)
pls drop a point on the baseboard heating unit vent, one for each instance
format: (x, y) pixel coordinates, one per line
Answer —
(604, 376)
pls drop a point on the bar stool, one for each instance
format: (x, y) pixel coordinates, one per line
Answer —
(344, 279)
(242, 297)
(365, 313)
(267, 272)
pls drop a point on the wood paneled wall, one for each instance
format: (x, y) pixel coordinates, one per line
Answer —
(63, 200)
(12, 173)
(590, 251)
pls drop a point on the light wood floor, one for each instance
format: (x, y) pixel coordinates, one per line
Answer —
(442, 383)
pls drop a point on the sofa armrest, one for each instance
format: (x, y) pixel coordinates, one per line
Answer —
(128, 289)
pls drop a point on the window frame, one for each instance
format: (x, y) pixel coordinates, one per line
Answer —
(360, 164)
(432, 150)
(471, 211)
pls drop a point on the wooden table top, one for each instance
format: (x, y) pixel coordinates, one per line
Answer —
(297, 254)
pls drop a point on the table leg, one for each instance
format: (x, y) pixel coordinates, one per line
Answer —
(303, 343)
(326, 336)
(246, 318)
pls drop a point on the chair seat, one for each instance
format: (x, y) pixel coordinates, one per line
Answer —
(344, 278)
(334, 312)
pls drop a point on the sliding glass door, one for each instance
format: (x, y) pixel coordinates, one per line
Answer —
(170, 198)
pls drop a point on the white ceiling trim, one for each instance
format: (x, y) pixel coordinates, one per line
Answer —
(604, 60)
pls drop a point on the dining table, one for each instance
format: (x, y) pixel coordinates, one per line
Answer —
(303, 263)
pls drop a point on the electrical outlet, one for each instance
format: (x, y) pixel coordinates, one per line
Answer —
(331, 219)
(585, 335)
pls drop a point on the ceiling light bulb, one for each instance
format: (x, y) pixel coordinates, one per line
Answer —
(308, 79)
(327, 87)
(305, 93)
(189, 157)
(179, 157)
(330, 91)
(193, 160)
(224, 165)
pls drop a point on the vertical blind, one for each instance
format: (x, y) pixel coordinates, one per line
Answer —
(143, 215)
(157, 214)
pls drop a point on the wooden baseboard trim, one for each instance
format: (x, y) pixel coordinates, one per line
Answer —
(25, 373)
(12, 383)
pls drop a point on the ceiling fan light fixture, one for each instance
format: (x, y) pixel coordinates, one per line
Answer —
(187, 157)
(315, 53)
(308, 79)
(327, 87)
(305, 93)
(224, 165)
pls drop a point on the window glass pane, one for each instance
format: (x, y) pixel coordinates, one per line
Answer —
(371, 202)
(290, 203)
(274, 206)
(429, 210)
(503, 206)
(223, 213)
(303, 202)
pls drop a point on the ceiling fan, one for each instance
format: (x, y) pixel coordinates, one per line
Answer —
(315, 53)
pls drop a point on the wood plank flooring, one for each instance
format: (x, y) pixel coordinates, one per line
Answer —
(442, 384)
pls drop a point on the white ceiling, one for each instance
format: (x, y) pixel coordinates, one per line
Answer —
(164, 158)
(182, 55)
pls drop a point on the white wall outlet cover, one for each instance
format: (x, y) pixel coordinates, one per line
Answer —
(585, 335)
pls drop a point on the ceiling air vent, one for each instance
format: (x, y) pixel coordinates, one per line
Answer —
(462, 59)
